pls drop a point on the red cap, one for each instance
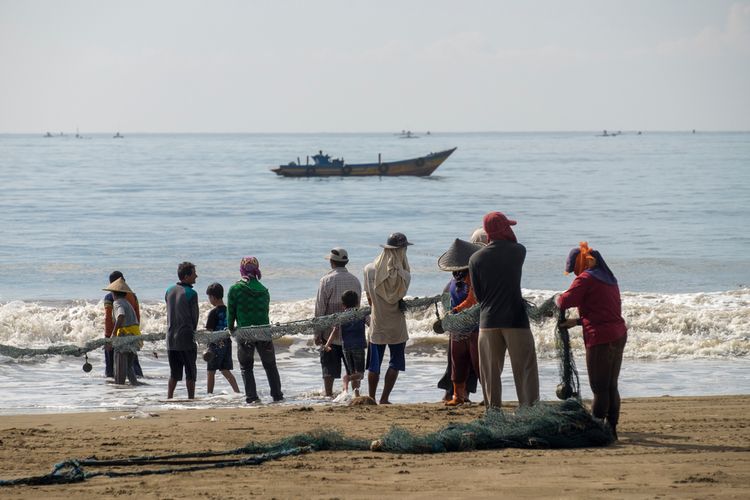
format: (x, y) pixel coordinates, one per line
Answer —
(497, 226)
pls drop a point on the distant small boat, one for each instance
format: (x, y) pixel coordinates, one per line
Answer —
(118, 136)
(48, 135)
(408, 135)
(323, 166)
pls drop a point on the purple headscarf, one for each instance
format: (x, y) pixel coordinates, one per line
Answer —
(600, 271)
(249, 268)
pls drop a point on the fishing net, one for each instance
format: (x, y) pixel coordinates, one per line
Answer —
(565, 424)
(248, 333)
(467, 321)
(464, 322)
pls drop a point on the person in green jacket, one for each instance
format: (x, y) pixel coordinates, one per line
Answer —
(248, 302)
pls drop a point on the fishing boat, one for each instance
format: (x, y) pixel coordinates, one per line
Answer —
(324, 166)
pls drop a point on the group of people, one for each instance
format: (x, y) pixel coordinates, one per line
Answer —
(486, 270)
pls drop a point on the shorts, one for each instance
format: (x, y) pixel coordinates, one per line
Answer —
(331, 360)
(222, 356)
(183, 359)
(354, 360)
(375, 354)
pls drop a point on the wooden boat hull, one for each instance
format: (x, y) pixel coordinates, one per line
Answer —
(422, 166)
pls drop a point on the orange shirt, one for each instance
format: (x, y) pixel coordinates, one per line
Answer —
(470, 299)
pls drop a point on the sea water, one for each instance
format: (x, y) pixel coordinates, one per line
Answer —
(668, 211)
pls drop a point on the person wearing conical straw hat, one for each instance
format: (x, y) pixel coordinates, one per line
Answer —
(495, 272)
(109, 323)
(386, 281)
(463, 345)
(478, 237)
(125, 323)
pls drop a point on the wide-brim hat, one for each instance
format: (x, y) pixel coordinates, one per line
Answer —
(457, 256)
(397, 240)
(118, 285)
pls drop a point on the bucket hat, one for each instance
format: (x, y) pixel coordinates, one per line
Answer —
(396, 240)
(457, 256)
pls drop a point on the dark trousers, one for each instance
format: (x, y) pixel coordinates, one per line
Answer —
(603, 362)
(464, 356)
(246, 357)
(123, 367)
(109, 367)
(446, 382)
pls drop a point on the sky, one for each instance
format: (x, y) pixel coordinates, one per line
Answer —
(373, 66)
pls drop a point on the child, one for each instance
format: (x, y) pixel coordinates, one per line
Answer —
(125, 322)
(217, 321)
(353, 341)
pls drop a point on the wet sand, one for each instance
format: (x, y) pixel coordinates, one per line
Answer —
(686, 447)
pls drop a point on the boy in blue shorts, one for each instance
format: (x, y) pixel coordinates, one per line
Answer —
(353, 341)
(222, 350)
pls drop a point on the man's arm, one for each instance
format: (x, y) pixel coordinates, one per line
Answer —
(108, 321)
(118, 324)
(321, 308)
(231, 309)
(194, 311)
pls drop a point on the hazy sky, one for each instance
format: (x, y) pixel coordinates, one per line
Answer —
(356, 66)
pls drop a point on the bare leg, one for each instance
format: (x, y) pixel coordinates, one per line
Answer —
(372, 383)
(190, 384)
(328, 384)
(230, 378)
(390, 380)
(211, 377)
(170, 387)
(345, 382)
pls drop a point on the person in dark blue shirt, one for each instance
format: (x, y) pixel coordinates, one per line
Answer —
(353, 341)
(221, 350)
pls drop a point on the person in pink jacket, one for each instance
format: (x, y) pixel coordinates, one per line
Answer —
(596, 294)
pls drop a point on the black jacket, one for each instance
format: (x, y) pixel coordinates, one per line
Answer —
(496, 277)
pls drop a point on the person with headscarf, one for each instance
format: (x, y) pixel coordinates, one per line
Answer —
(495, 272)
(386, 281)
(596, 294)
(462, 348)
(248, 303)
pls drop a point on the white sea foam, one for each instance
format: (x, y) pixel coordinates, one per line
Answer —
(693, 325)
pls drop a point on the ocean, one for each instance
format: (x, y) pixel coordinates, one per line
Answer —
(668, 211)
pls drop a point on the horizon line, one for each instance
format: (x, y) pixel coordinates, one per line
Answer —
(390, 132)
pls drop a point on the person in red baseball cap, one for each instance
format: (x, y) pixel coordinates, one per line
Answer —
(495, 272)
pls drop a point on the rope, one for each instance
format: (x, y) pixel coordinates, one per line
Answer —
(71, 471)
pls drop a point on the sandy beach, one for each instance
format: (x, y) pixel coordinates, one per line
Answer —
(687, 447)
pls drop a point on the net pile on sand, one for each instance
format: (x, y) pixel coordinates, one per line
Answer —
(565, 424)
